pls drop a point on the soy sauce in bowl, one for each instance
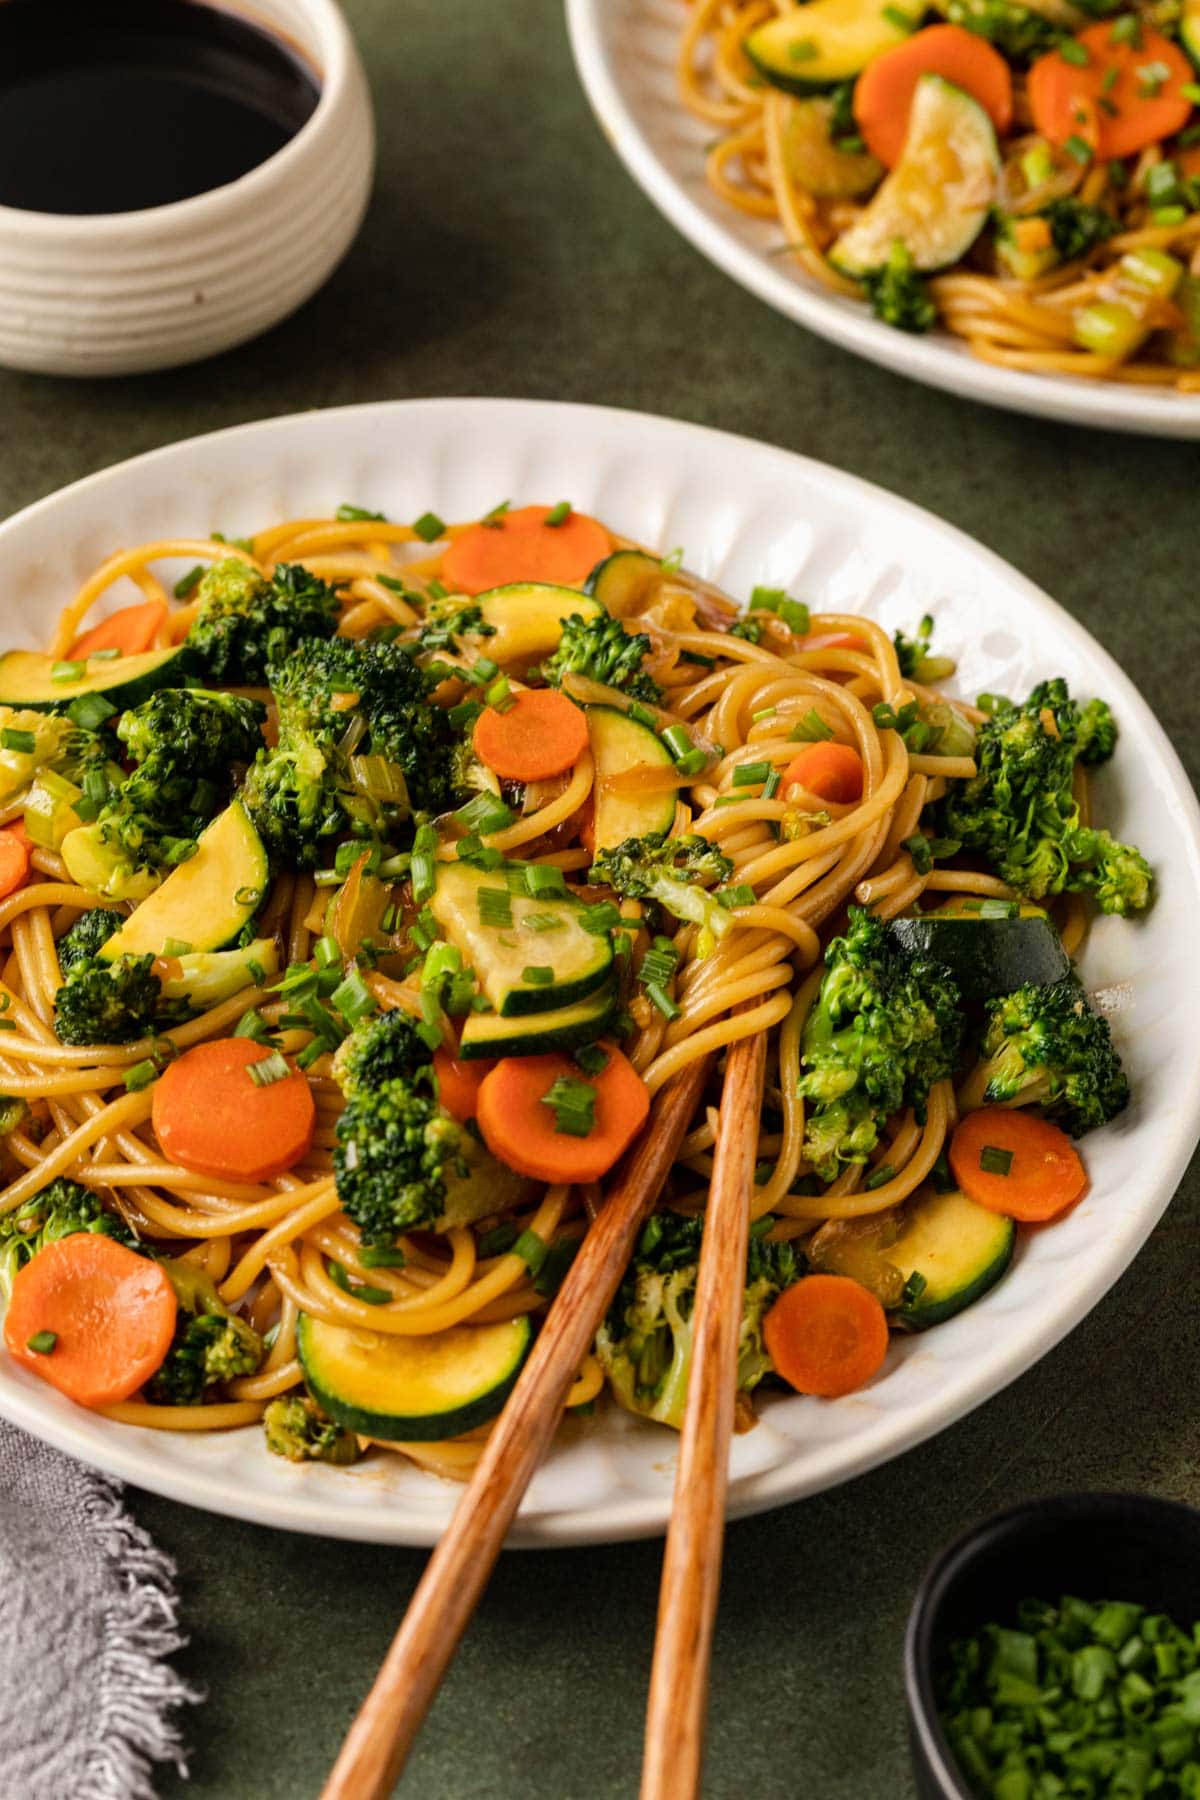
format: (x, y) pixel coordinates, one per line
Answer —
(110, 106)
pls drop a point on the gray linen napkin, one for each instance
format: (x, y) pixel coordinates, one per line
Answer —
(88, 1702)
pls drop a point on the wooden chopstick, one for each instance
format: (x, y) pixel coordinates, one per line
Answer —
(391, 1716)
(691, 1576)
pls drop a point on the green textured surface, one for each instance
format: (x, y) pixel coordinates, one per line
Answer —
(506, 252)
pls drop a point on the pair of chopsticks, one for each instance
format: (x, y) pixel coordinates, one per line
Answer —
(390, 1717)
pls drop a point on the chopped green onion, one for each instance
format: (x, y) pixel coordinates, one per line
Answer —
(544, 879)
(880, 1176)
(174, 946)
(373, 1296)
(558, 515)
(751, 774)
(268, 1070)
(498, 1241)
(811, 729)
(591, 1059)
(89, 711)
(672, 561)
(678, 740)
(23, 741)
(484, 812)
(500, 696)
(802, 50)
(895, 16)
(662, 1000)
(531, 1248)
(327, 951)
(538, 975)
(381, 1256)
(495, 908)
(1126, 30)
(429, 528)
(994, 1161)
(544, 922)
(353, 998)
(1072, 51)
(42, 1342)
(741, 895)
(558, 1259)
(574, 1106)
(772, 784)
(68, 671)
(1076, 147)
(599, 919)
(186, 583)
(484, 669)
(694, 763)
(141, 1075)
(494, 519)
(914, 1287)
(252, 1025)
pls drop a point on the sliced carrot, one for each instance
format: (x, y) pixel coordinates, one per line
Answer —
(111, 1314)
(519, 1127)
(132, 630)
(521, 546)
(826, 1335)
(1123, 98)
(211, 1116)
(459, 1084)
(539, 735)
(830, 771)
(884, 91)
(14, 859)
(1044, 1176)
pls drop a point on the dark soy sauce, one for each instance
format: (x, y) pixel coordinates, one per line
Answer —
(118, 105)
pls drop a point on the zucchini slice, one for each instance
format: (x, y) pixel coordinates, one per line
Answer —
(502, 953)
(827, 41)
(490, 1034)
(27, 678)
(210, 976)
(412, 1389)
(936, 200)
(987, 957)
(621, 745)
(960, 1248)
(814, 160)
(622, 582)
(204, 902)
(1189, 30)
(527, 619)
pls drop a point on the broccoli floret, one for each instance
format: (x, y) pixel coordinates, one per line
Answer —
(1020, 811)
(749, 628)
(897, 293)
(916, 662)
(372, 696)
(42, 737)
(85, 939)
(645, 1343)
(296, 1428)
(62, 1208)
(385, 1048)
(671, 871)
(182, 733)
(396, 1149)
(884, 1028)
(1076, 227)
(247, 622)
(601, 649)
(210, 1345)
(108, 1002)
(1045, 1047)
(187, 744)
(445, 621)
(208, 1348)
(13, 1113)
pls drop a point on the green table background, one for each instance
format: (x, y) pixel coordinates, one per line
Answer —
(506, 252)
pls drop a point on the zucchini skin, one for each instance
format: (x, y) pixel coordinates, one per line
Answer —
(987, 957)
(414, 1428)
(623, 576)
(125, 691)
(535, 1034)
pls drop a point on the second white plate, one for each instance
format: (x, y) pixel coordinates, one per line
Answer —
(744, 513)
(625, 51)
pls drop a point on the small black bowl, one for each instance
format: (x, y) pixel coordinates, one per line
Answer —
(1098, 1546)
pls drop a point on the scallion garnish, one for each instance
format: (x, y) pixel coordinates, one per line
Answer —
(42, 1342)
(269, 1069)
(558, 515)
(574, 1106)
(995, 1161)
(429, 528)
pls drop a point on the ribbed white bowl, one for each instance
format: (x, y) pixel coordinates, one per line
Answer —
(121, 293)
(744, 513)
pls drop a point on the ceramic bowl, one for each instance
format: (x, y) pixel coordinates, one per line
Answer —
(122, 293)
(1097, 1546)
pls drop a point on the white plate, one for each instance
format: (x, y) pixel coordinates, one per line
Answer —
(625, 51)
(745, 513)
